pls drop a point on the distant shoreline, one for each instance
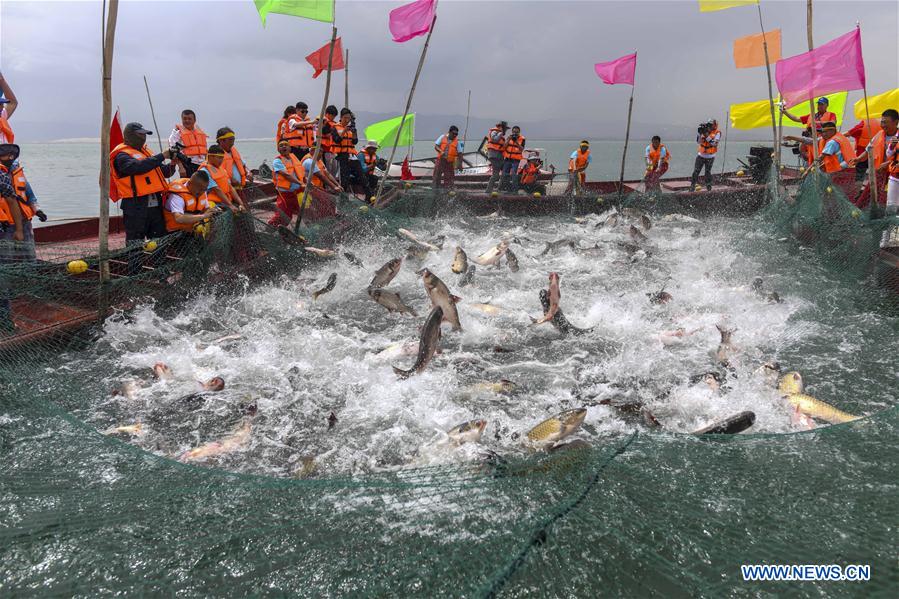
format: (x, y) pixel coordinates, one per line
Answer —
(96, 140)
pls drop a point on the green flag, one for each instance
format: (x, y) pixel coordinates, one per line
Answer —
(385, 132)
(319, 10)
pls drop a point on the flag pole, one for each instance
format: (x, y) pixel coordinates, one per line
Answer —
(811, 102)
(627, 136)
(109, 24)
(459, 162)
(346, 80)
(872, 175)
(153, 114)
(318, 142)
(724, 151)
(421, 62)
(770, 88)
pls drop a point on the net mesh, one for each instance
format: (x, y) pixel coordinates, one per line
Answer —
(634, 515)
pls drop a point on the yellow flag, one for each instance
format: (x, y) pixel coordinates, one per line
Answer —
(752, 115)
(712, 5)
(877, 104)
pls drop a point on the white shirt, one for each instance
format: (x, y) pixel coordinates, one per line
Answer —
(175, 204)
(3, 139)
(175, 137)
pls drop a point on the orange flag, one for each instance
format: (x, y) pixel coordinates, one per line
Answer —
(749, 51)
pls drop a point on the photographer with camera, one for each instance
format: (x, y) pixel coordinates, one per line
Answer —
(140, 179)
(190, 143)
(512, 153)
(708, 139)
(496, 140)
(345, 138)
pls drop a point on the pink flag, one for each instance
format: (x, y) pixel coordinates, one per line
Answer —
(411, 20)
(618, 71)
(834, 67)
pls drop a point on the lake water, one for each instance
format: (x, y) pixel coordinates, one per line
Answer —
(64, 175)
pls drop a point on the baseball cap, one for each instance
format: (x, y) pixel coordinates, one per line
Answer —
(136, 128)
(823, 100)
(9, 149)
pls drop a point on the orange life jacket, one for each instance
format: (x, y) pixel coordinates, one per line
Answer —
(827, 117)
(655, 154)
(346, 145)
(327, 141)
(136, 185)
(452, 151)
(894, 161)
(5, 213)
(579, 161)
(280, 129)
(513, 148)
(832, 163)
(6, 130)
(497, 145)
(529, 174)
(371, 161)
(304, 137)
(233, 159)
(705, 147)
(317, 180)
(870, 127)
(294, 167)
(878, 149)
(20, 184)
(192, 205)
(221, 177)
(193, 140)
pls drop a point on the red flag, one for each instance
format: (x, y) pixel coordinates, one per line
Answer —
(115, 138)
(319, 58)
(406, 172)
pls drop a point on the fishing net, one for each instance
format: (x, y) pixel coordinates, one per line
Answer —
(636, 514)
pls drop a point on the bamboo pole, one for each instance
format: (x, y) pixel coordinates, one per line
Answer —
(627, 136)
(724, 150)
(872, 175)
(421, 62)
(109, 25)
(459, 164)
(153, 114)
(321, 122)
(811, 100)
(346, 80)
(770, 87)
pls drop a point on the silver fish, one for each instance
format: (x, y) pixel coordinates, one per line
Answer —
(386, 273)
(440, 296)
(427, 345)
(352, 259)
(512, 260)
(726, 348)
(555, 296)
(332, 280)
(467, 432)
(391, 300)
(321, 253)
(467, 278)
(460, 261)
(411, 237)
(636, 235)
(552, 246)
(492, 255)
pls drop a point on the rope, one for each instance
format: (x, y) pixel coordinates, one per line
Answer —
(539, 536)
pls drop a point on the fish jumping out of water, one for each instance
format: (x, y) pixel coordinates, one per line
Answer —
(136, 430)
(236, 440)
(468, 277)
(332, 280)
(467, 432)
(321, 253)
(729, 426)
(726, 349)
(493, 255)
(792, 387)
(460, 261)
(559, 320)
(391, 300)
(161, 371)
(486, 308)
(440, 296)
(555, 296)
(504, 387)
(411, 237)
(512, 260)
(645, 222)
(556, 428)
(611, 221)
(636, 235)
(386, 273)
(552, 246)
(352, 259)
(427, 345)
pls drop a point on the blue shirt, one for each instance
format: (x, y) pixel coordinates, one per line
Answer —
(278, 166)
(212, 184)
(662, 153)
(832, 148)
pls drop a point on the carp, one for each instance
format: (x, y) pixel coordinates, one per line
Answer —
(411, 237)
(440, 296)
(512, 261)
(391, 300)
(460, 261)
(321, 253)
(386, 273)
(554, 297)
(729, 426)
(332, 280)
(492, 255)
(467, 278)
(467, 432)
(236, 440)
(427, 345)
(554, 429)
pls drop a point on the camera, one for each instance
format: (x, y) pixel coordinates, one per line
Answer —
(175, 149)
(706, 128)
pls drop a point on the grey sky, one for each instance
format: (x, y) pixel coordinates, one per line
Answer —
(529, 62)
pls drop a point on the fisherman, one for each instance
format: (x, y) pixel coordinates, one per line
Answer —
(193, 140)
(325, 131)
(512, 153)
(657, 157)
(496, 140)
(319, 178)
(821, 116)
(300, 131)
(863, 133)
(220, 187)
(28, 205)
(577, 168)
(8, 105)
(878, 151)
(288, 178)
(708, 147)
(370, 162)
(834, 149)
(11, 233)
(281, 127)
(140, 178)
(233, 163)
(345, 138)
(527, 176)
(187, 204)
(448, 146)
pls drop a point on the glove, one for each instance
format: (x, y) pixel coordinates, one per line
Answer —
(41, 216)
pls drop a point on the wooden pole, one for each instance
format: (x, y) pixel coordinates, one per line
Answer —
(811, 100)
(346, 80)
(421, 62)
(108, 44)
(459, 163)
(153, 114)
(776, 154)
(724, 150)
(872, 175)
(627, 136)
(321, 122)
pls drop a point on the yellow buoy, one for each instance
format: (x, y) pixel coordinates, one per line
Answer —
(856, 214)
(599, 200)
(740, 173)
(452, 194)
(494, 194)
(782, 167)
(76, 267)
(150, 246)
(408, 185)
(829, 189)
(363, 208)
(537, 194)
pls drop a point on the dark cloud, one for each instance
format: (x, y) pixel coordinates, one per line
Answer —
(524, 61)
